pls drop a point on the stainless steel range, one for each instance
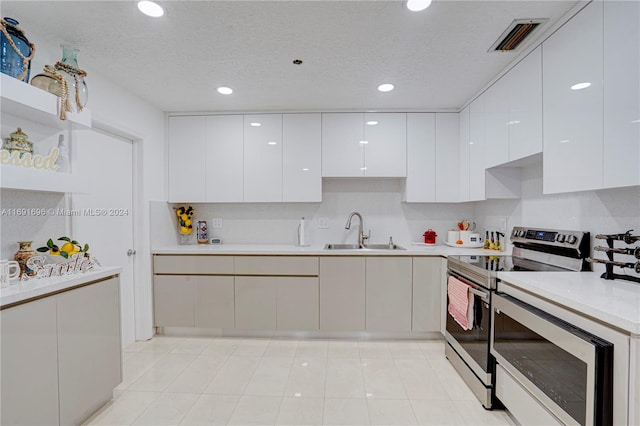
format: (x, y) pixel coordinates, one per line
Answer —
(534, 249)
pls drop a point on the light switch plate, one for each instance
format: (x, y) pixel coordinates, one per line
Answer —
(323, 223)
(216, 222)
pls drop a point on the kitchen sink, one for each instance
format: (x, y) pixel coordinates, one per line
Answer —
(367, 247)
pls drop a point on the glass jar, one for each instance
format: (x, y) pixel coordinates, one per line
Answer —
(68, 66)
(15, 50)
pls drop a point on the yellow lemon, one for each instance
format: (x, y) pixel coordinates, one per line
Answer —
(184, 230)
(75, 250)
(67, 247)
(187, 222)
(54, 253)
(184, 217)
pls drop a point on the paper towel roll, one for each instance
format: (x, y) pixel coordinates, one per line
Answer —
(301, 241)
(453, 236)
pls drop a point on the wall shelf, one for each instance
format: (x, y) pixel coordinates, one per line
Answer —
(26, 101)
(26, 179)
(33, 105)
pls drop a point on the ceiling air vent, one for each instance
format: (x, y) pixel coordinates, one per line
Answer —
(515, 34)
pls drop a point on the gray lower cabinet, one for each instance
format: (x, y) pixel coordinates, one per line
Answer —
(89, 353)
(61, 356)
(388, 293)
(256, 306)
(173, 300)
(298, 303)
(29, 381)
(205, 301)
(214, 301)
(342, 293)
(427, 275)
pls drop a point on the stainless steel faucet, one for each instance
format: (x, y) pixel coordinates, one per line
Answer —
(361, 236)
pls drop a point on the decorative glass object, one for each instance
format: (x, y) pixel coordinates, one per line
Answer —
(16, 51)
(18, 141)
(185, 226)
(54, 82)
(68, 66)
(24, 253)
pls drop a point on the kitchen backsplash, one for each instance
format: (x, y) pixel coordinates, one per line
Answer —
(16, 225)
(378, 200)
(380, 203)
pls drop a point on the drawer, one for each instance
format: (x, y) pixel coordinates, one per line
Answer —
(192, 264)
(276, 265)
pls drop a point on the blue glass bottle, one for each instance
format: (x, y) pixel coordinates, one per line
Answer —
(11, 62)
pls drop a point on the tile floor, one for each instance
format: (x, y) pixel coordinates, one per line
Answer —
(227, 381)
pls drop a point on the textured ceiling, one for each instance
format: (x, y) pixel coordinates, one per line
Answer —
(436, 58)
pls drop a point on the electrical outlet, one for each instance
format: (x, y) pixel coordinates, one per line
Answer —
(502, 224)
(216, 222)
(323, 223)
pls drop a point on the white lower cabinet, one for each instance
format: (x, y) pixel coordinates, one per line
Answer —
(256, 303)
(29, 364)
(388, 294)
(61, 356)
(89, 352)
(427, 277)
(342, 293)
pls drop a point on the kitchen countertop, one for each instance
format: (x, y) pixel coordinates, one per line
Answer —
(19, 291)
(614, 302)
(318, 250)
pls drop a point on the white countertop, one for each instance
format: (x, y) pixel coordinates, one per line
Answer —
(318, 250)
(615, 302)
(18, 291)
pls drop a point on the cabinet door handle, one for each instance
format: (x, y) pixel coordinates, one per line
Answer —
(131, 252)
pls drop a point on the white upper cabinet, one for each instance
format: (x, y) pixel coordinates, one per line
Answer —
(464, 155)
(447, 170)
(371, 144)
(224, 158)
(301, 158)
(420, 185)
(187, 169)
(621, 93)
(572, 116)
(476, 149)
(263, 157)
(432, 158)
(343, 145)
(497, 123)
(525, 107)
(385, 150)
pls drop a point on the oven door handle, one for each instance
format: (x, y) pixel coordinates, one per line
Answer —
(482, 294)
(473, 290)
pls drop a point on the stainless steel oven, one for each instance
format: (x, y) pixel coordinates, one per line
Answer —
(568, 370)
(535, 250)
(468, 350)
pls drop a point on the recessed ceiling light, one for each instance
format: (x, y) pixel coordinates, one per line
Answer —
(272, 143)
(580, 86)
(305, 169)
(564, 141)
(372, 123)
(150, 8)
(225, 90)
(364, 142)
(386, 87)
(635, 121)
(254, 124)
(363, 168)
(418, 5)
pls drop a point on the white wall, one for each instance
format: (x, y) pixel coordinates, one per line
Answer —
(378, 200)
(117, 110)
(607, 211)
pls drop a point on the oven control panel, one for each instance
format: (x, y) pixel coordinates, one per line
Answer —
(553, 237)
